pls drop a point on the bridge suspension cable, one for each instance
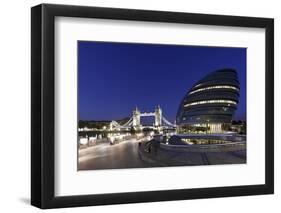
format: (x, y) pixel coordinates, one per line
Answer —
(167, 122)
(126, 125)
(128, 122)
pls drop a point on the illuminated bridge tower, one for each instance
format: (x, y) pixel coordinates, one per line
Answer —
(158, 116)
(136, 118)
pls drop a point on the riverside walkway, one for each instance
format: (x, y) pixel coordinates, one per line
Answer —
(163, 156)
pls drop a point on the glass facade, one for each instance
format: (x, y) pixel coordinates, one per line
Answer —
(211, 102)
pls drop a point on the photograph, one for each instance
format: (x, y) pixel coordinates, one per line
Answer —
(139, 105)
(144, 105)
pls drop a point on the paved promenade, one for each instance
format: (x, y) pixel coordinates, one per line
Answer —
(105, 156)
(160, 156)
(135, 153)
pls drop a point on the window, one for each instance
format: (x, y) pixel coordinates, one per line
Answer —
(210, 102)
(214, 87)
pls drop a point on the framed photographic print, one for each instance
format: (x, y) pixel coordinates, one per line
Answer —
(139, 106)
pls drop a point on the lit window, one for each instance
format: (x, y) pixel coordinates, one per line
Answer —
(215, 87)
(211, 102)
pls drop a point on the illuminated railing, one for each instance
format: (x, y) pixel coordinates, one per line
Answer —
(211, 102)
(215, 87)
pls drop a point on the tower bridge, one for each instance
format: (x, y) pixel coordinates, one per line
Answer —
(135, 121)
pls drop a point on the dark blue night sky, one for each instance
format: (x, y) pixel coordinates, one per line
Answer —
(114, 78)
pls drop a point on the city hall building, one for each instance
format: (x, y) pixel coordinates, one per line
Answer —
(210, 104)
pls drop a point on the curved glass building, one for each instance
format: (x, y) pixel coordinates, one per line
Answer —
(210, 104)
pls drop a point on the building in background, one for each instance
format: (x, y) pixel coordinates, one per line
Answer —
(210, 104)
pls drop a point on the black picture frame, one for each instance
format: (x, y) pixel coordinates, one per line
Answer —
(43, 110)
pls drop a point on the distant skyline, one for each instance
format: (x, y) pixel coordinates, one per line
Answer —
(114, 78)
